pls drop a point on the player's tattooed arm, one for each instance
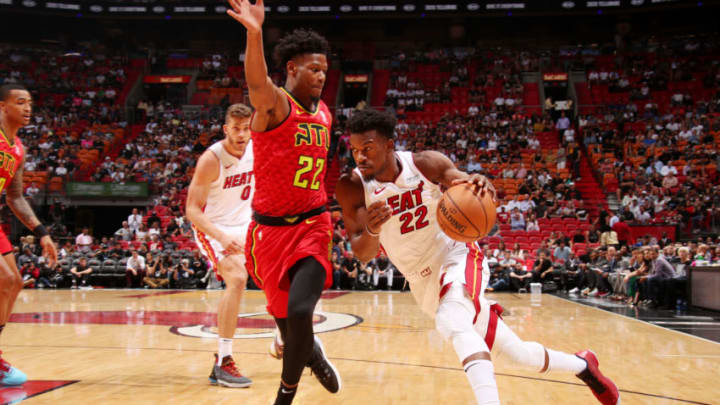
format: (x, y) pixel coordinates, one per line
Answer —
(24, 212)
(17, 203)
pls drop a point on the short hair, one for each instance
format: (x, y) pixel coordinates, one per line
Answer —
(6, 89)
(300, 42)
(238, 111)
(369, 119)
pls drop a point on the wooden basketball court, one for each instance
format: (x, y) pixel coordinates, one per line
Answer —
(141, 347)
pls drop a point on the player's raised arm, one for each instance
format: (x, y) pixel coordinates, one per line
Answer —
(271, 105)
(361, 223)
(207, 171)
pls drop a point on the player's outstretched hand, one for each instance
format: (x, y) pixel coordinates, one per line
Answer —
(377, 214)
(480, 184)
(249, 15)
(49, 250)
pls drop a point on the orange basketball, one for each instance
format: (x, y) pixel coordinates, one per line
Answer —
(465, 216)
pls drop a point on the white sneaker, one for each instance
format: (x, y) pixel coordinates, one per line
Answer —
(574, 291)
(594, 293)
(586, 291)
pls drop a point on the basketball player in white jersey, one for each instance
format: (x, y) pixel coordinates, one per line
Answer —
(390, 200)
(218, 205)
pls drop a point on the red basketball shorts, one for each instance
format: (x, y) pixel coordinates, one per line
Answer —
(270, 251)
(5, 246)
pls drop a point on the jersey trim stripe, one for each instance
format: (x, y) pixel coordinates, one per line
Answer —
(202, 238)
(471, 265)
(11, 144)
(296, 102)
(252, 255)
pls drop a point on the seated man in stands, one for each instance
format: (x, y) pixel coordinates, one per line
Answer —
(81, 274)
(135, 270)
(520, 278)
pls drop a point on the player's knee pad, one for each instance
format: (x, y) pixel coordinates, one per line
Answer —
(453, 317)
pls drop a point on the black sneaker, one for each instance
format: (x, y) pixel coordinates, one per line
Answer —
(323, 369)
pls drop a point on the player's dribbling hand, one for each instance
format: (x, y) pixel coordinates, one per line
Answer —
(249, 15)
(232, 245)
(480, 184)
(49, 250)
(377, 214)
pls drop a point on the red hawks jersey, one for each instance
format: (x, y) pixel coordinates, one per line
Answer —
(11, 157)
(290, 162)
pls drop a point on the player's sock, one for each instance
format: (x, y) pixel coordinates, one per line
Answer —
(532, 355)
(224, 349)
(565, 362)
(307, 280)
(481, 375)
(285, 394)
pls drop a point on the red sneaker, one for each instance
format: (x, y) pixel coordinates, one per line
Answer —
(602, 387)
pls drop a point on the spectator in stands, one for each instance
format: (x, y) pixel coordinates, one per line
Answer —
(660, 273)
(337, 268)
(157, 274)
(135, 270)
(351, 269)
(563, 122)
(520, 278)
(532, 223)
(81, 274)
(562, 251)
(83, 242)
(32, 190)
(609, 238)
(141, 234)
(542, 269)
(517, 220)
(382, 267)
(134, 220)
(183, 276)
(124, 233)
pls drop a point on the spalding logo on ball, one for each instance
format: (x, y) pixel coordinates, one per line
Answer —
(464, 215)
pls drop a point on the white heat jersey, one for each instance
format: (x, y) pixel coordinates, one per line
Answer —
(411, 237)
(228, 202)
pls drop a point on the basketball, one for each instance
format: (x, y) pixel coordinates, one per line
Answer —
(465, 216)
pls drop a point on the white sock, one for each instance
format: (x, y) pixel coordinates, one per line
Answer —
(481, 375)
(224, 349)
(565, 362)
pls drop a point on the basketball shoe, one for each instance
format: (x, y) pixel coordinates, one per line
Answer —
(602, 387)
(9, 375)
(323, 369)
(227, 374)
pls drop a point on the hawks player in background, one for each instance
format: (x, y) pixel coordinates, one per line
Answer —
(391, 199)
(290, 238)
(15, 113)
(218, 205)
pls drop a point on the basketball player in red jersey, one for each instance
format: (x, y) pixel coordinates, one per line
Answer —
(289, 241)
(15, 113)
(391, 199)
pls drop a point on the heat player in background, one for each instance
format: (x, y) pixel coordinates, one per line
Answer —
(218, 205)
